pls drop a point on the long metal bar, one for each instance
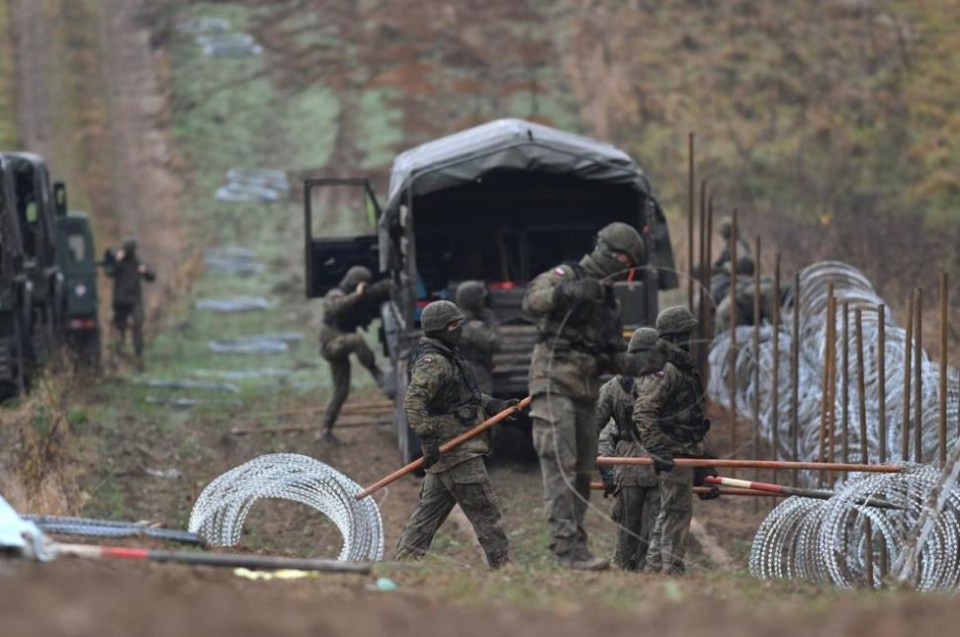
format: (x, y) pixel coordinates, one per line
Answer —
(690, 198)
(864, 447)
(942, 439)
(832, 387)
(598, 486)
(882, 378)
(756, 353)
(845, 393)
(447, 446)
(733, 332)
(795, 374)
(775, 393)
(703, 345)
(918, 378)
(818, 494)
(736, 463)
(907, 361)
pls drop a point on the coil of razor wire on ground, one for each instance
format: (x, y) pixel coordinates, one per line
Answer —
(219, 513)
(826, 541)
(853, 288)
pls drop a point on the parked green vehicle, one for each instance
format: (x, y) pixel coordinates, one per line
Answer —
(79, 267)
(15, 293)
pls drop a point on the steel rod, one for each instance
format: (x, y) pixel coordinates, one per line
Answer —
(795, 374)
(756, 354)
(734, 237)
(775, 393)
(918, 378)
(845, 392)
(598, 486)
(447, 446)
(735, 463)
(818, 494)
(942, 413)
(882, 378)
(907, 360)
(690, 192)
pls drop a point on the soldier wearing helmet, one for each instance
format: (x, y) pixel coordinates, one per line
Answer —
(352, 304)
(722, 264)
(579, 338)
(128, 273)
(636, 488)
(480, 340)
(742, 302)
(669, 418)
(443, 401)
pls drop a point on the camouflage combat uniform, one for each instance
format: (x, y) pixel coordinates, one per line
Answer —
(638, 490)
(128, 273)
(443, 401)
(345, 310)
(668, 414)
(480, 340)
(575, 347)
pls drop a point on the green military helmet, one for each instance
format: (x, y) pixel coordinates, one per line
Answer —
(472, 295)
(438, 315)
(676, 320)
(744, 265)
(643, 340)
(354, 277)
(623, 238)
(725, 227)
(129, 244)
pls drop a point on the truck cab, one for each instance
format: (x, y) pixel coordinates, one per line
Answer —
(500, 203)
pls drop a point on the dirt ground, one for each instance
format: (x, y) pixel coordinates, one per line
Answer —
(119, 443)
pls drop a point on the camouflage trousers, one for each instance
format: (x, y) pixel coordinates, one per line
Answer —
(337, 352)
(565, 437)
(636, 511)
(468, 485)
(128, 315)
(676, 511)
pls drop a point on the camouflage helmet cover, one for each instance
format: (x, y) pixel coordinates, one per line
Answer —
(644, 339)
(438, 315)
(675, 320)
(623, 238)
(744, 265)
(471, 295)
(354, 277)
(726, 227)
(129, 244)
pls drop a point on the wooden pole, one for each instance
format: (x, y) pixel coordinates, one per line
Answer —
(918, 378)
(942, 438)
(447, 446)
(907, 360)
(795, 374)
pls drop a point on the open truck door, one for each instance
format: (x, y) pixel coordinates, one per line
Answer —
(333, 210)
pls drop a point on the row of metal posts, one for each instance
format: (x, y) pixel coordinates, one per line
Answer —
(828, 421)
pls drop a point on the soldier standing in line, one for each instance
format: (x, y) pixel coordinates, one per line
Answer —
(127, 272)
(636, 488)
(443, 401)
(480, 340)
(722, 264)
(668, 415)
(351, 305)
(579, 338)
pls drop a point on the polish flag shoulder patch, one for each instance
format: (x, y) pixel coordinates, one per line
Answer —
(559, 271)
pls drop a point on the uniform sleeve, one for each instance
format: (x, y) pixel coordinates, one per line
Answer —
(148, 275)
(378, 292)
(336, 302)
(428, 377)
(604, 409)
(652, 395)
(539, 298)
(480, 337)
(608, 439)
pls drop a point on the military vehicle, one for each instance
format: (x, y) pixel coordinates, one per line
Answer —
(79, 266)
(15, 293)
(501, 202)
(37, 276)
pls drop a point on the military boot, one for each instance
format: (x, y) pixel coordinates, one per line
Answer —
(583, 560)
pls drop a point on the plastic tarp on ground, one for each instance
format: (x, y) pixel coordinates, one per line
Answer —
(515, 144)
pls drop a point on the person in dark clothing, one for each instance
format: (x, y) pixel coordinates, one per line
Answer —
(128, 273)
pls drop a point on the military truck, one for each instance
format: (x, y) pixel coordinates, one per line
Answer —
(15, 293)
(501, 202)
(79, 267)
(36, 202)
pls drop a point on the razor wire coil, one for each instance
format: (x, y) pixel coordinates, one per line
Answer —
(220, 511)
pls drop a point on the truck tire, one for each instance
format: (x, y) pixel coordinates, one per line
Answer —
(407, 440)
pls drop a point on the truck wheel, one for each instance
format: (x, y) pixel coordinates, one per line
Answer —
(407, 440)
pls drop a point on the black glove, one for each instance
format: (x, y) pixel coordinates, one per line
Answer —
(431, 451)
(588, 290)
(609, 477)
(699, 480)
(662, 459)
(497, 406)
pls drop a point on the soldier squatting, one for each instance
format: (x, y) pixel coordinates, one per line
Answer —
(653, 406)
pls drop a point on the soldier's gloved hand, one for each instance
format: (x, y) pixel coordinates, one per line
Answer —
(609, 478)
(431, 451)
(588, 290)
(662, 459)
(563, 296)
(699, 480)
(499, 405)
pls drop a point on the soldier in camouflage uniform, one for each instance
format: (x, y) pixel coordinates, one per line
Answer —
(722, 264)
(636, 487)
(668, 415)
(443, 401)
(128, 273)
(480, 340)
(580, 338)
(743, 300)
(346, 307)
